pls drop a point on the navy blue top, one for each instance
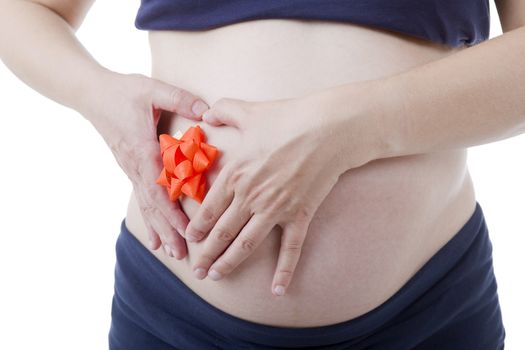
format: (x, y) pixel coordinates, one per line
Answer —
(450, 22)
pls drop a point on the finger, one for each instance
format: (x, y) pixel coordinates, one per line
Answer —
(221, 236)
(174, 245)
(169, 209)
(149, 166)
(227, 111)
(154, 239)
(174, 213)
(291, 245)
(253, 233)
(174, 99)
(214, 204)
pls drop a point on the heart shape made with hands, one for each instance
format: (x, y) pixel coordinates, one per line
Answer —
(186, 159)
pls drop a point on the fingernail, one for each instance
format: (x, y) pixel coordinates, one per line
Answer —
(214, 275)
(200, 273)
(279, 290)
(167, 249)
(199, 107)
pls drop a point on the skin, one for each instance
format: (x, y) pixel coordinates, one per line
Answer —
(418, 113)
(282, 185)
(65, 55)
(133, 95)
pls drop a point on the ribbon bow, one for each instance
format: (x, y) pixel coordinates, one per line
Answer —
(185, 161)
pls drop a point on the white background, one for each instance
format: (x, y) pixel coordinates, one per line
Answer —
(61, 207)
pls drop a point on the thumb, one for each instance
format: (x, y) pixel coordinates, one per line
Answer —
(227, 111)
(171, 98)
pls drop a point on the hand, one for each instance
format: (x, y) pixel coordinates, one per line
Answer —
(125, 111)
(293, 151)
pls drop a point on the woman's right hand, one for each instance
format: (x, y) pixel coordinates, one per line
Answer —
(125, 110)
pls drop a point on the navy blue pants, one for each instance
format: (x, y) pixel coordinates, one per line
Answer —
(451, 303)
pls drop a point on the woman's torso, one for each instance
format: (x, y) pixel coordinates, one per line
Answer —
(380, 223)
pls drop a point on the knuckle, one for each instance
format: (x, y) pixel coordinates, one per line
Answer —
(273, 207)
(252, 194)
(207, 258)
(286, 271)
(283, 195)
(248, 244)
(280, 202)
(236, 175)
(233, 172)
(133, 172)
(208, 214)
(303, 214)
(224, 235)
(176, 95)
(169, 238)
(152, 192)
(226, 266)
(294, 246)
(148, 210)
(195, 232)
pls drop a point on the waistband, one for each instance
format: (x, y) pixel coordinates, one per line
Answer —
(158, 298)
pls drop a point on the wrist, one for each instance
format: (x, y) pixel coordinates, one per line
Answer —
(92, 89)
(355, 116)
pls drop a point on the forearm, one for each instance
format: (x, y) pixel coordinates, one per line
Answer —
(472, 97)
(41, 48)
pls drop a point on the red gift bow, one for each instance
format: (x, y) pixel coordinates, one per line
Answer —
(185, 162)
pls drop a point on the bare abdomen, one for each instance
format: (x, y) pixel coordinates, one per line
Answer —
(380, 223)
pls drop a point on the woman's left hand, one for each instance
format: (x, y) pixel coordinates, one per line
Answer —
(293, 151)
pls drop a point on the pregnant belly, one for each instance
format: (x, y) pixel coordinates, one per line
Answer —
(379, 224)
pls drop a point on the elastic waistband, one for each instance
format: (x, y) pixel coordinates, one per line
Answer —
(141, 276)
